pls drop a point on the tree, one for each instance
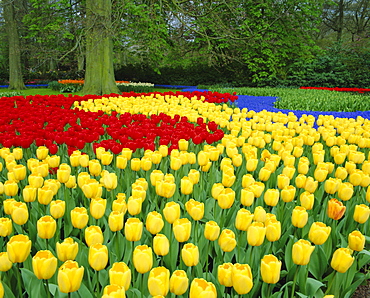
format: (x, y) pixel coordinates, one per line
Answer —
(15, 66)
(99, 75)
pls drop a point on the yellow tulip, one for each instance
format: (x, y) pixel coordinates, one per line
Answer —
(182, 229)
(70, 277)
(57, 208)
(224, 274)
(134, 205)
(165, 188)
(6, 227)
(200, 288)
(300, 181)
(243, 219)
(256, 233)
(264, 174)
(259, 214)
(114, 291)
(18, 248)
(159, 281)
(311, 185)
(307, 200)
(98, 256)
(282, 181)
(345, 191)
(242, 278)
(106, 158)
(361, 214)
(270, 269)
(195, 209)
(203, 158)
(94, 167)
(133, 229)
(226, 198)
(257, 188)
(19, 172)
(5, 263)
(42, 152)
(342, 260)
(171, 212)
(44, 264)
(273, 230)
(79, 217)
(246, 197)
(10, 188)
(251, 164)
(271, 197)
(46, 227)
(341, 173)
(161, 245)
(356, 241)
(142, 258)
(190, 254)
(45, 195)
(299, 217)
(179, 282)
(217, 188)
(301, 252)
(227, 241)
(97, 207)
(120, 274)
(186, 185)
(93, 235)
(109, 181)
(67, 250)
(211, 230)
(29, 193)
(19, 213)
(319, 233)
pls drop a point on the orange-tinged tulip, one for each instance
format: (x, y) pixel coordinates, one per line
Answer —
(98, 256)
(67, 250)
(161, 245)
(224, 274)
(362, 213)
(270, 269)
(44, 264)
(142, 258)
(195, 209)
(179, 282)
(70, 276)
(319, 233)
(93, 235)
(6, 227)
(159, 281)
(336, 209)
(211, 230)
(79, 217)
(301, 252)
(120, 274)
(18, 248)
(200, 288)
(256, 233)
(243, 219)
(171, 212)
(299, 217)
(133, 229)
(342, 260)
(242, 278)
(19, 213)
(190, 254)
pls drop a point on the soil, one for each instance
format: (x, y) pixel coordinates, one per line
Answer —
(362, 291)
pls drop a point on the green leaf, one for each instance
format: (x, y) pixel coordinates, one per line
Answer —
(33, 286)
(312, 286)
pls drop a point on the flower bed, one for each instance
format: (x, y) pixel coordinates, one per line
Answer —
(152, 193)
(358, 90)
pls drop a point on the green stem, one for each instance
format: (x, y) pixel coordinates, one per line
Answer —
(294, 281)
(97, 284)
(47, 244)
(330, 284)
(207, 257)
(142, 285)
(269, 288)
(19, 280)
(46, 284)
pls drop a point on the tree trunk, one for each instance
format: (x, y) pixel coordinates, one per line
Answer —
(99, 75)
(340, 21)
(15, 67)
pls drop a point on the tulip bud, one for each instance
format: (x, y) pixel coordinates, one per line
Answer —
(186, 185)
(161, 245)
(190, 254)
(46, 227)
(142, 258)
(6, 227)
(342, 260)
(246, 197)
(79, 217)
(57, 208)
(19, 172)
(42, 152)
(361, 214)
(18, 248)
(201, 288)
(154, 222)
(159, 281)
(319, 233)
(97, 207)
(70, 277)
(311, 185)
(307, 200)
(271, 196)
(243, 219)
(259, 214)
(179, 282)
(171, 212)
(336, 209)
(257, 188)
(226, 198)
(10, 188)
(242, 278)
(67, 250)
(93, 235)
(182, 229)
(98, 256)
(19, 213)
(224, 274)
(256, 233)
(217, 188)
(195, 209)
(94, 167)
(270, 269)
(273, 230)
(301, 252)
(251, 164)
(44, 264)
